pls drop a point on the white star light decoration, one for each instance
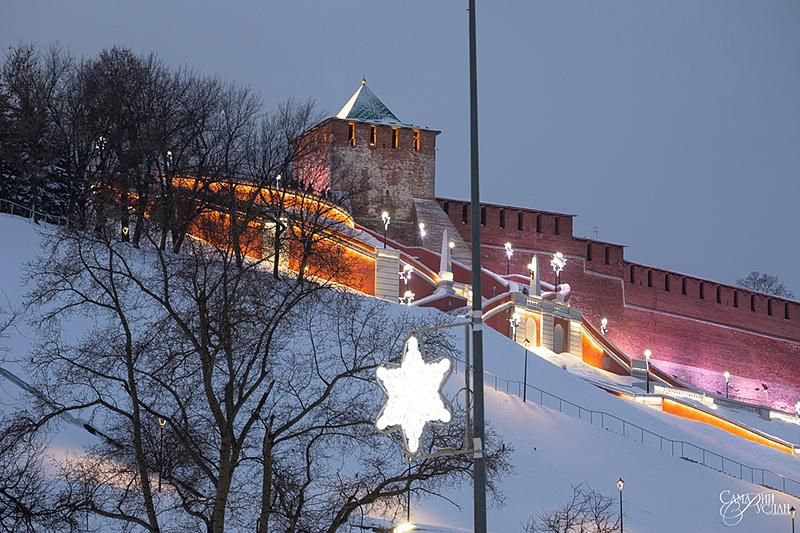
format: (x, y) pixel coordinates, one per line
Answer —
(413, 395)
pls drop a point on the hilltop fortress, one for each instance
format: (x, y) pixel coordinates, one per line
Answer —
(697, 329)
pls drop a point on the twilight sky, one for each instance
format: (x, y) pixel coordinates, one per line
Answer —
(672, 126)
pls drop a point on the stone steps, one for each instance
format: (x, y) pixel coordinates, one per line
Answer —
(436, 221)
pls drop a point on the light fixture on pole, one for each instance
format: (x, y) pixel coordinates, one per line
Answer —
(451, 245)
(278, 180)
(604, 326)
(405, 275)
(727, 376)
(509, 253)
(647, 354)
(407, 298)
(422, 233)
(169, 159)
(385, 218)
(413, 395)
(514, 322)
(792, 513)
(620, 485)
(558, 263)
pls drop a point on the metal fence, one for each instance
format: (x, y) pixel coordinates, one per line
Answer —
(675, 448)
(13, 208)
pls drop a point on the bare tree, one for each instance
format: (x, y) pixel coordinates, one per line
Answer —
(766, 283)
(255, 377)
(587, 512)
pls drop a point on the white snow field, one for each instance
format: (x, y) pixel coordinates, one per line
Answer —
(552, 450)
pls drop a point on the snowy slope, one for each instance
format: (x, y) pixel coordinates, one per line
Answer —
(552, 451)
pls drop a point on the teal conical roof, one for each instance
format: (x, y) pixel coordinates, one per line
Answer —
(364, 106)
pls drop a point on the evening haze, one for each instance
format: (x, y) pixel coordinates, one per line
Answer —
(672, 127)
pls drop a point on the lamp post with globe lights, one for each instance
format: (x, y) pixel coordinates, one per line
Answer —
(385, 218)
(727, 376)
(558, 263)
(422, 233)
(647, 354)
(509, 253)
(620, 485)
(792, 513)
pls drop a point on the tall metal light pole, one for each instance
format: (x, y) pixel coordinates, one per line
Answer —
(478, 434)
(792, 512)
(509, 253)
(525, 372)
(727, 376)
(385, 218)
(647, 354)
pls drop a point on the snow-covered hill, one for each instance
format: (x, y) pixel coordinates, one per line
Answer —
(552, 451)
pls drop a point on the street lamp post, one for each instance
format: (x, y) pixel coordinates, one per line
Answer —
(385, 218)
(422, 233)
(479, 425)
(525, 374)
(514, 321)
(727, 382)
(620, 485)
(604, 326)
(509, 253)
(792, 512)
(647, 354)
(558, 263)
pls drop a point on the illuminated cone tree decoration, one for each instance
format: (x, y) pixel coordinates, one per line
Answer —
(413, 391)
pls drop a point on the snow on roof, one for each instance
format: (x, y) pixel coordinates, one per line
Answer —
(364, 106)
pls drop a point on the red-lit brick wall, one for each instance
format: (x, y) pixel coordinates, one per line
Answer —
(682, 330)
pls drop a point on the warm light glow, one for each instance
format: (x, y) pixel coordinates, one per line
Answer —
(162, 423)
(509, 250)
(405, 527)
(386, 219)
(407, 298)
(620, 484)
(727, 376)
(604, 322)
(558, 262)
(647, 354)
(451, 244)
(422, 232)
(413, 394)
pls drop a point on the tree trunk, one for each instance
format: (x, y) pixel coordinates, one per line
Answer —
(266, 482)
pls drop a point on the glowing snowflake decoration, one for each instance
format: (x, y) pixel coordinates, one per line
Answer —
(413, 391)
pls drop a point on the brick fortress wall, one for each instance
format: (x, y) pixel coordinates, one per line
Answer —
(695, 328)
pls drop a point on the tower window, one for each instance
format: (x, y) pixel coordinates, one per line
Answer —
(395, 137)
(465, 213)
(558, 226)
(607, 253)
(702, 291)
(736, 298)
(752, 302)
(352, 134)
(373, 135)
(719, 295)
(483, 216)
(769, 307)
(649, 278)
(520, 222)
(503, 218)
(632, 275)
(416, 140)
(666, 282)
(683, 286)
(588, 251)
(538, 223)
(786, 311)
(446, 208)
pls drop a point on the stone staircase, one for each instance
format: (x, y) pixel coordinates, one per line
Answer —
(436, 221)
